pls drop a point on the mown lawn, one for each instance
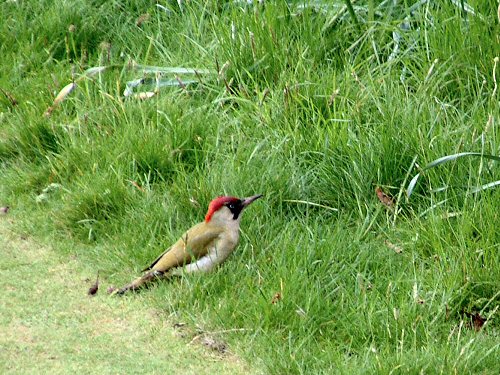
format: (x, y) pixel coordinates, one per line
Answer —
(313, 104)
(48, 323)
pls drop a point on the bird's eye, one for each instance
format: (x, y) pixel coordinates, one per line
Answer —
(231, 206)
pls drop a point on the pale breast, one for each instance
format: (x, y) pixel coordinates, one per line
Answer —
(217, 254)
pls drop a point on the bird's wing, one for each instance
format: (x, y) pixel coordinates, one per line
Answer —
(156, 260)
(193, 244)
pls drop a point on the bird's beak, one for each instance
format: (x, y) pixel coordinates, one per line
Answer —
(249, 200)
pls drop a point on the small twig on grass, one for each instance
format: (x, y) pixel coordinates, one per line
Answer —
(181, 84)
(224, 331)
(495, 62)
(10, 97)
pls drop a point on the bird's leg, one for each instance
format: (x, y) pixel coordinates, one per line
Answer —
(141, 281)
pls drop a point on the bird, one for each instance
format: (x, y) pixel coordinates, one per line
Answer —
(203, 247)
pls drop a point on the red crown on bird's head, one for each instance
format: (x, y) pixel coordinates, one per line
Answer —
(216, 204)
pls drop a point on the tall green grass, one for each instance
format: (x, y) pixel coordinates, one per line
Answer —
(310, 109)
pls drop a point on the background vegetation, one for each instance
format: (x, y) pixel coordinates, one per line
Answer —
(314, 104)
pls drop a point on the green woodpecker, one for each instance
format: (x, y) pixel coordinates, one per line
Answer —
(202, 247)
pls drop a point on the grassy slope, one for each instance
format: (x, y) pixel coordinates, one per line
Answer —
(315, 112)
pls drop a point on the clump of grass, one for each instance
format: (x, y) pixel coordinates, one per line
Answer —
(310, 110)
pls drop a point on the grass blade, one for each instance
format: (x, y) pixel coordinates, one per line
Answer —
(90, 72)
(445, 159)
(448, 158)
(351, 11)
(485, 186)
(172, 70)
(311, 204)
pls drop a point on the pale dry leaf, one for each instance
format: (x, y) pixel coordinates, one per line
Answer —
(143, 18)
(136, 185)
(449, 215)
(397, 249)
(65, 91)
(395, 312)
(194, 202)
(300, 311)
(144, 95)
